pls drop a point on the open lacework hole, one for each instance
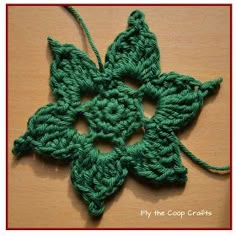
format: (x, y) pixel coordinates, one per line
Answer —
(85, 97)
(136, 137)
(103, 145)
(196, 88)
(81, 124)
(131, 83)
(149, 107)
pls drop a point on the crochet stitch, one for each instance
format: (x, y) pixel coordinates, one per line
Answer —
(115, 113)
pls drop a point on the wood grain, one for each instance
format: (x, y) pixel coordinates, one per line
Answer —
(193, 40)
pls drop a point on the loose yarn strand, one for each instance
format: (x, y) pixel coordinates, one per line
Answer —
(80, 20)
(199, 161)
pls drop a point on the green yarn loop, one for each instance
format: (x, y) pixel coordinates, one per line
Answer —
(115, 113)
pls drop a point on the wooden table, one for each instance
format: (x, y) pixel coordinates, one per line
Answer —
(193, 41)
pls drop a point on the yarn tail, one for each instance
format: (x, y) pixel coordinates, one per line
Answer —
(86, 31)
(199, 161)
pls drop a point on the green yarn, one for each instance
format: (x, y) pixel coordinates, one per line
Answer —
(115, 113)
(80, 20)
(200, 162)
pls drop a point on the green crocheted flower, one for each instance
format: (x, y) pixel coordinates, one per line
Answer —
(114, 113)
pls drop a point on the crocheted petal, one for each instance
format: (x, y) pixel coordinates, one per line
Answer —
(134, 53)
(180, 99)
(157, 158)
(50, 133)
(96, 176)
(71, 71)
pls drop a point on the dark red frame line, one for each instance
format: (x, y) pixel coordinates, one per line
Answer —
(6, 117)
(231, 99)
(118, 4)
(52, 228)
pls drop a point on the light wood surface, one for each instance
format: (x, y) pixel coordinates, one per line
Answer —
(193, 41)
